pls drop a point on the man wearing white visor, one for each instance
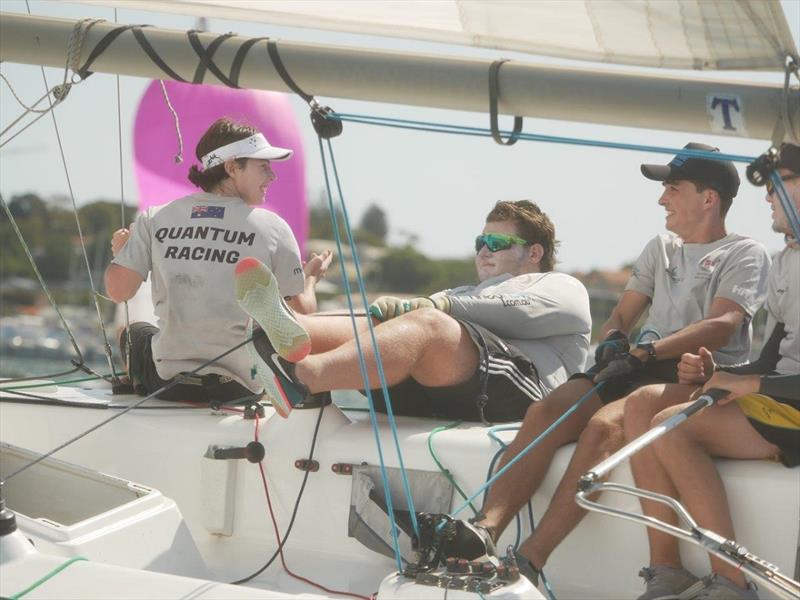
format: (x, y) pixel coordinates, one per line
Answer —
(190, 247)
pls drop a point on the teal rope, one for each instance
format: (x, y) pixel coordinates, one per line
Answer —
(378, 361)
(442, 468)
(533, 137)
(530, 446)
(362, 363)
(47, 577)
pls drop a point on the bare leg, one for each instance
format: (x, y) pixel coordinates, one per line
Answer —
(686, 453)
(425, 344)
(328, 332)
(511, 491)
(642, 406)
(602, 436)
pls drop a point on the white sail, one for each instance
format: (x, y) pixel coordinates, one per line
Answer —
(681, 34)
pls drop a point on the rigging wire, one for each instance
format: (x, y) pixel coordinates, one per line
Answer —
(106, 344)
(361, 360)
(46, 290)
(445, 471)
(371, 328)
(128, 342)
(60, 91)
(434, 127)
(535, 442)
(168, 386)
(73, 56)
(277, 534)
(296, 505)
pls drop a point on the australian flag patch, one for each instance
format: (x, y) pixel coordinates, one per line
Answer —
(208, 212)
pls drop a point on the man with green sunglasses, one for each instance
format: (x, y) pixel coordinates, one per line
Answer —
(480, 352)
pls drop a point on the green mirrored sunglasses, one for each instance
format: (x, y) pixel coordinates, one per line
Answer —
(498, 241)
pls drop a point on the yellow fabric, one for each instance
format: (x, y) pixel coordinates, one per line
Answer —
(769, 411)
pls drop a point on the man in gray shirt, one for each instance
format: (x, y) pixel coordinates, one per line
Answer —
(702, 286)
(482, 352)
(760, 418)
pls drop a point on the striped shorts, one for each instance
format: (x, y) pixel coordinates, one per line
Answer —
(505, 375)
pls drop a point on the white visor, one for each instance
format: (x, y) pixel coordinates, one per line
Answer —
(256, 146)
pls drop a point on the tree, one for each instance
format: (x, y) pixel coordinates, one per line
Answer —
(319, 219)
(375, 225)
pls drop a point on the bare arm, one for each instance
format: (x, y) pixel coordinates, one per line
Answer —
(713, 332)
(626, 313)
(121, 283)
(315, 269)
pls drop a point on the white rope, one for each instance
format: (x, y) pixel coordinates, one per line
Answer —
(179, 155)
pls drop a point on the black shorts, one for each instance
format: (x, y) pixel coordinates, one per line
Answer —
(199, 388)
(661, 371)
(511, 386)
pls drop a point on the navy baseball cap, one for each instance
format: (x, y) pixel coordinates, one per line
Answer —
(720, 175)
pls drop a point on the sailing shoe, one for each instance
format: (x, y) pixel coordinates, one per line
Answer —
(669, 583)
(276, 373)
(719, 587)
(258, 294)
(471, 541)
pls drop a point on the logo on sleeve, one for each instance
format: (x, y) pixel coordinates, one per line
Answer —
(745, 292)
(208, 212)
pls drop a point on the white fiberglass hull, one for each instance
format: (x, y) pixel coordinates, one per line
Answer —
(165, 449)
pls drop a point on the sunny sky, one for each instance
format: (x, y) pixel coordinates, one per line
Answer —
(434, 186)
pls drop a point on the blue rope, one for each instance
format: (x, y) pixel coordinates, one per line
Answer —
(534, 137)
(529, 447)
(378, 361)
(362, 364)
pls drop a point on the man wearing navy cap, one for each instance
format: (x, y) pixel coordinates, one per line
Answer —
(702, 287)
(760, 418)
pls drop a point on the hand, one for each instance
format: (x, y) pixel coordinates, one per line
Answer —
(737, 385)
(389, 307)
(613, 346)
(317, 265)
(627, 364)
(696, 368)
(119, 239)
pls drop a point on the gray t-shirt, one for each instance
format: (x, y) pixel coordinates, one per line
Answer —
(191, 246)
(545, 315)
(783, 305)
(682, 280)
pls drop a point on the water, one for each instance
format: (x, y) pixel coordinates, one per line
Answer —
(16, 366)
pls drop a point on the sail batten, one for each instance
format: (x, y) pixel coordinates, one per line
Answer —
(679, 34)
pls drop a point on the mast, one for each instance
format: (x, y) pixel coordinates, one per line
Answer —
(598, 95)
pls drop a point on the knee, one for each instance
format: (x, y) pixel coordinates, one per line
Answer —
(432, 319)
(638, 411)
(603, 432)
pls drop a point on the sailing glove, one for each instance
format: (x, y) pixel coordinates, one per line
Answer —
(614, 346)
(389, 307)
(624, 366)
